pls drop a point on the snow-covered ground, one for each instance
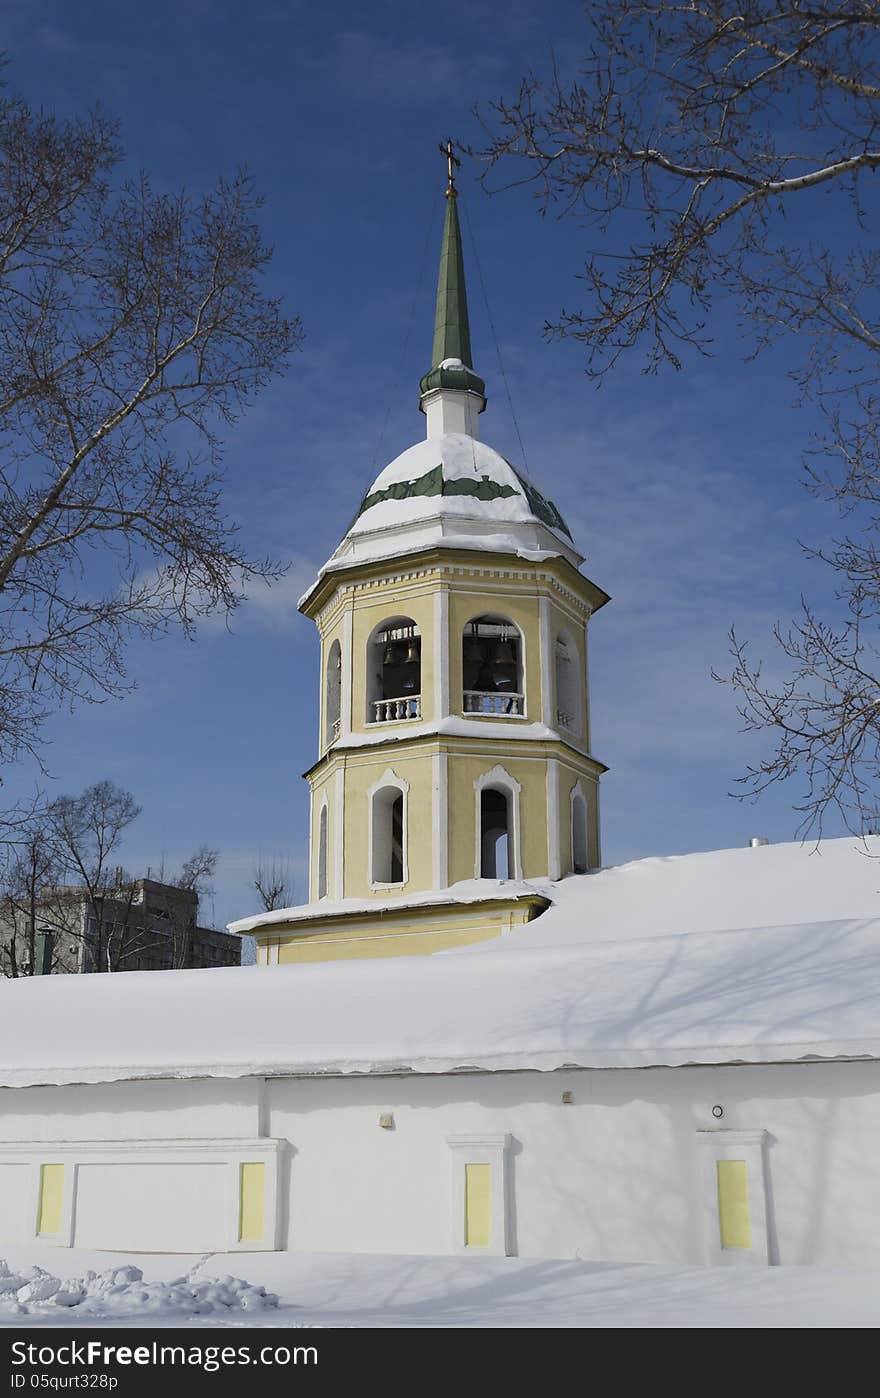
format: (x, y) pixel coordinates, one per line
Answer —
(329, 1290)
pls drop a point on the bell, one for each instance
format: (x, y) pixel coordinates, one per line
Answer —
(389, 656)
(473, 650)
(412, 653)
(502, 653)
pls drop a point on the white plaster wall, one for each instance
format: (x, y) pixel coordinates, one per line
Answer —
(16, 1225)
(153, 1207)
(615, 1175)
(198, 1107)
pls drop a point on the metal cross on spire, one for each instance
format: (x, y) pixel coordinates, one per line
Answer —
(452, 161)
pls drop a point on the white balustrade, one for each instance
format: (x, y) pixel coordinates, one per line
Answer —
(393, 710)
(498, 704)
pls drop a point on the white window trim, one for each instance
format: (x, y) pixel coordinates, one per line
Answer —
(388, 779)
(480, 1150)
(72, 1154)
(749, 1146)
(577, 793)
(498, 777)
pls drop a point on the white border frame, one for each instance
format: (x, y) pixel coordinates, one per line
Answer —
(480, 1150)
(499, 777)
(388, 779)
(73, 1154)
(749, 1146)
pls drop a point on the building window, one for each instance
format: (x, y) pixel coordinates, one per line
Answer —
(394, 672)
(568, 688)
(492, 668)
(322, 853)
(494, 834)
(479, 1195)
(497, 817)
(333, 697)
(580, 861)
(388, 833)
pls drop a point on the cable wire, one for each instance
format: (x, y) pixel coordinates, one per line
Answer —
(479, 267)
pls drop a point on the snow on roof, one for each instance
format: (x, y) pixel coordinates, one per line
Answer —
(624, 975)
(459, 475)
(718, 890)
(452, 492)
(468, 891)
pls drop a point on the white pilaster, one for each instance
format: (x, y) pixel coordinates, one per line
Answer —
(338, 832)
(440, 819)
(441, 653)
(588, 738)
(554, 859)
(347, 663)
(548, 715)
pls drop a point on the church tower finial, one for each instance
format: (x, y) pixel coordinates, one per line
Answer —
(451, 393)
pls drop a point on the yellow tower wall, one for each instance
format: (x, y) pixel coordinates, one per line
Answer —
(439, 771)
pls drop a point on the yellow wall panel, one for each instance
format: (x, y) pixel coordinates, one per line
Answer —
(733, 1205)
(477, 1206)
(252, 1204)
(51, 1198)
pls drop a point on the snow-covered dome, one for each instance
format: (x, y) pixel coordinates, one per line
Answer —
(453, 490)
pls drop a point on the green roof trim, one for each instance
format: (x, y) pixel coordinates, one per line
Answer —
(434, 483)
(542, 508)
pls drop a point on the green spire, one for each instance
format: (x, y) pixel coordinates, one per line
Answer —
(452, 333)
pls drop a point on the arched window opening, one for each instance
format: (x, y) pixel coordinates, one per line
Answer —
(388, 836)
(333, 698)
(568, 689)
(494, 834)
(579, 856)
(491, 663)
(322, 853)
(394, 672)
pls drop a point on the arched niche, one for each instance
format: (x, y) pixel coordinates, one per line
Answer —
(580, 852)
(333, 694)
(322, 851)
(569, 689)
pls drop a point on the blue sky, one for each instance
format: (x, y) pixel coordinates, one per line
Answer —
(683, 490)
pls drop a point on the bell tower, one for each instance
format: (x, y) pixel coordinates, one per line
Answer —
(455, 775)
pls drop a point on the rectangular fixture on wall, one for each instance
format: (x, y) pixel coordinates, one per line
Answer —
(51, 1209)
(479, 1194)
(477, 1205)
(734, 1194)
(252, 1202)
(733, 1204)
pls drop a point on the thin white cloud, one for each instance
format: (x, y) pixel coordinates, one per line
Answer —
(375, 67)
